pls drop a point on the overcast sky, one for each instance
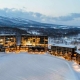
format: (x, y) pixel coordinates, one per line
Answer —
(55, 11)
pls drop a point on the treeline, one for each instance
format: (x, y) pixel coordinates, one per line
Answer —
(12, 30)
(56, 32)
(51, 32)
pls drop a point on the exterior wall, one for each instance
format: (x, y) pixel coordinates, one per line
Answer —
(34, 41)
(78, 58)
(1, 40)
(67, 53)
(8, 42)
(2, 49)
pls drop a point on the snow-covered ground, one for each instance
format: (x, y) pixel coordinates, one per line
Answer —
(75, 41)
(76, 68)
(26, 66)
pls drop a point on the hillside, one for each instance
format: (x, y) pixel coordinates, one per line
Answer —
(20, 22)
(21, 26)
(34, 67)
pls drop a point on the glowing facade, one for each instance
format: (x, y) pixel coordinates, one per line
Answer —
(67, 51)
(25, 42)
(36, 41)
(7, 41)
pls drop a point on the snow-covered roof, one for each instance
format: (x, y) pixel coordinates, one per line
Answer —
(77, 51)
(64, 45)
(7, 34)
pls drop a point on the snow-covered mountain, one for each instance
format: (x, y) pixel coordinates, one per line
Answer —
(19, 22)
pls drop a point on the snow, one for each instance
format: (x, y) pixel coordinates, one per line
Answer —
(34, 32)
(25, 66)
(78, 51)
(6, 34)
(76, 69)
(64, 45)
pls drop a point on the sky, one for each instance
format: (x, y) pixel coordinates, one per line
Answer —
(54, 11)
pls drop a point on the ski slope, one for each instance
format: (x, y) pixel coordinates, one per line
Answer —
(26, 66)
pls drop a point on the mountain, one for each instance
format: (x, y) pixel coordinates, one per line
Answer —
(20, 26)
(19, 22)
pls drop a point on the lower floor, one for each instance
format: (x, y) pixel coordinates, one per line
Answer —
(19, 49)
(66, 55)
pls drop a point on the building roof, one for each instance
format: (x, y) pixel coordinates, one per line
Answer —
(77, 51)
(64, 45)
(7, 34)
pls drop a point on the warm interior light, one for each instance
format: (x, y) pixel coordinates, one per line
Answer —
(1, 39)
(27, 43)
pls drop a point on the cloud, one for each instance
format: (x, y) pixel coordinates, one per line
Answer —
(70, 17)
(22, 13)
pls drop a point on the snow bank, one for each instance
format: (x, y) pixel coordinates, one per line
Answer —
(34, 67)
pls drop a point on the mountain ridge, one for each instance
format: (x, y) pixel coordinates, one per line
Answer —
(20, 22)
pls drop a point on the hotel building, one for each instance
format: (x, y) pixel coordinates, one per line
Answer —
(67, 51)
